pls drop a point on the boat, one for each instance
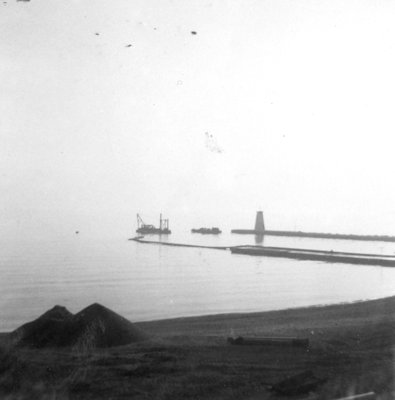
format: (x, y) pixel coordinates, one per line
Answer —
(316, 255)
(145, 229)
(206, 231)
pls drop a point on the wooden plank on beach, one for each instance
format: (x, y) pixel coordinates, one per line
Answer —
(364, 396)
(264, 341)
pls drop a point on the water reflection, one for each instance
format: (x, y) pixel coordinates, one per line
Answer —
(259, 239)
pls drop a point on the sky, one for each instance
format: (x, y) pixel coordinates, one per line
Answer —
(203, 110)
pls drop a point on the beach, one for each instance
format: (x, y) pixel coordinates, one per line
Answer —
(351, 349)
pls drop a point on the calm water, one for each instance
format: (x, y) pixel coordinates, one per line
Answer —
(144, 282)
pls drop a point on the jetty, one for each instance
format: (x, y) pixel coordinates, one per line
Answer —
(289, 252)
(260, 229)
(140, 239)
(316, 255)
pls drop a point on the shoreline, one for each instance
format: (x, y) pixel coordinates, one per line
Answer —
(350, 350)
(259, 313)
(346, 307)
(356, 312)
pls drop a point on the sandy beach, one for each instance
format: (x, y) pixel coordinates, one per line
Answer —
(351, 350)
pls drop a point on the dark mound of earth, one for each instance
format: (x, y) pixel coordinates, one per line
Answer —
(102, 327)
(47, 330)
(94, 326)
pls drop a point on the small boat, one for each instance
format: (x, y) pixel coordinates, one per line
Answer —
(207, 231)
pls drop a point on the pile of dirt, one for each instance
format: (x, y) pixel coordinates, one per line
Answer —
(46, 331)
(98, 326)
(94, 326)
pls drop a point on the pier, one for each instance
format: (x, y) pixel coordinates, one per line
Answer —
(140, 239)
(316, 255)
(293, 253)
(260, 230)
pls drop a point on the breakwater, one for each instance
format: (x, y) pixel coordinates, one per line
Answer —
(140, 239)
(317, 235)
(317, 255)
(293, 253)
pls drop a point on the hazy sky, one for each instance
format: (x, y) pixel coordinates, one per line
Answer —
(282, 105)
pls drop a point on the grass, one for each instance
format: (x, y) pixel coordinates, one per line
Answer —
(352, 347)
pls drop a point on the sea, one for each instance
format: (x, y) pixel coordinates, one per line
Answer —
(150, 281)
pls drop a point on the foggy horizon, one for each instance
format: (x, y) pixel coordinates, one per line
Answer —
(108, 111)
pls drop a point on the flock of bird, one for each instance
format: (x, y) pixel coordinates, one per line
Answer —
(128, 45)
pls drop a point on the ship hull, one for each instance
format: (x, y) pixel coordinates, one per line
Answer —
(153, 231)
